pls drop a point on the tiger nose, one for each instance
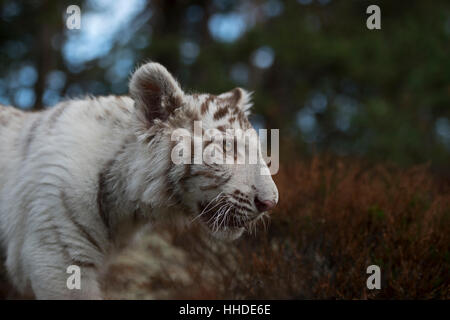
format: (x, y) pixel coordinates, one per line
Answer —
(264, 205)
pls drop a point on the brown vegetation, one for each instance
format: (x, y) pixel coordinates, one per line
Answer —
(334, 219)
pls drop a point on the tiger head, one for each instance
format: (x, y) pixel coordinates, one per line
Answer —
(207, 144)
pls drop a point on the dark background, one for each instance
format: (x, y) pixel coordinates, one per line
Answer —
(319, 75)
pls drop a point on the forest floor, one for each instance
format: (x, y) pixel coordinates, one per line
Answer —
(335, 218)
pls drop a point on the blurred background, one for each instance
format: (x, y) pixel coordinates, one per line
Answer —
(319, 75)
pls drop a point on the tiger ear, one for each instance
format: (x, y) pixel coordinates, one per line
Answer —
(239, 97)
(155, 92)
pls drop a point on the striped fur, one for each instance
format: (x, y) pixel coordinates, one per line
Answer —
(72, 177)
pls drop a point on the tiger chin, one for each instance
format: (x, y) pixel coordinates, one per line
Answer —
(75, 176)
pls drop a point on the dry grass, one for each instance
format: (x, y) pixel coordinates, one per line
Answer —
(335, 218)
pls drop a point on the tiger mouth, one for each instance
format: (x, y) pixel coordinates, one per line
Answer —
(224, 218)
(232, 220)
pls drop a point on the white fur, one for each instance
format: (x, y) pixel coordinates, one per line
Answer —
(51, 163)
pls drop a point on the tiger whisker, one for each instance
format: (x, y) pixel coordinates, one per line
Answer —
(226, 214)
(217, 216)
(218, 197)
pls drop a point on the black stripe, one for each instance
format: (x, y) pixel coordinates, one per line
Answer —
(79, 226)
(30, 135)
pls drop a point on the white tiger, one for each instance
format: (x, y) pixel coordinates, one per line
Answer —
(73, 176)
